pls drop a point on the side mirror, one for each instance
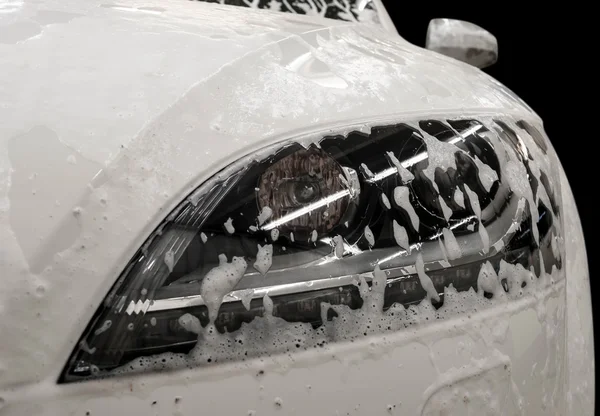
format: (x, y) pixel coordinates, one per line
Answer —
(462, 40)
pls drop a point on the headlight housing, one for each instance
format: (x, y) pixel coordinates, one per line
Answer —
(327, 241)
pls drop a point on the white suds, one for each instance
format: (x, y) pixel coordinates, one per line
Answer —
(459, 197)
(338, 243)
(385, 201)
(425, 280)
(485, 238)
(554, 247)
(474, 201)
(366, 170)
(264, 258)
(229, 226)
(246, 297)
(515, 275)
(190, 323)
(379, 281)
(369, 236)
(401, 236)
(274, 234)
(86, 348)
(487, 175)
(401, 197)
(219, 281)
(314, 235)
(446, 210)
(404, 173)
(488, 280)
(268, 305)
(443, 249)
(264, 215)
(107, 324)
(441, 155)
(452, 248)
(170, 260)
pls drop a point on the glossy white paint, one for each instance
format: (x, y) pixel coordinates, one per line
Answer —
(111, 114)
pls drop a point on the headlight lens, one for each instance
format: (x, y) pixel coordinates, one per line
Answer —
(329, 232)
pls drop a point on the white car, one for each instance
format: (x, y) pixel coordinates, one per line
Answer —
(213, 210)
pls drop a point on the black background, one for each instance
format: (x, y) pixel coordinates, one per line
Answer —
(545, 56)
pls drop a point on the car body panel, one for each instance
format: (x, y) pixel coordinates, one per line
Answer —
(581, 369)
(129, 110)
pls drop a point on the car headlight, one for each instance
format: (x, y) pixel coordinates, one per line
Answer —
(321, 242)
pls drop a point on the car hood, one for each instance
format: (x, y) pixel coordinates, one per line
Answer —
(111, 114)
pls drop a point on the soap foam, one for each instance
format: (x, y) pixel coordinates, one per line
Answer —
(401, 236)
(264, 258)
(219, 281)
(369, 236)
(452, 248)
(405, 175)
(401, 197)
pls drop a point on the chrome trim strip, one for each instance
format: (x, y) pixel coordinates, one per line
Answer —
(278, 290)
